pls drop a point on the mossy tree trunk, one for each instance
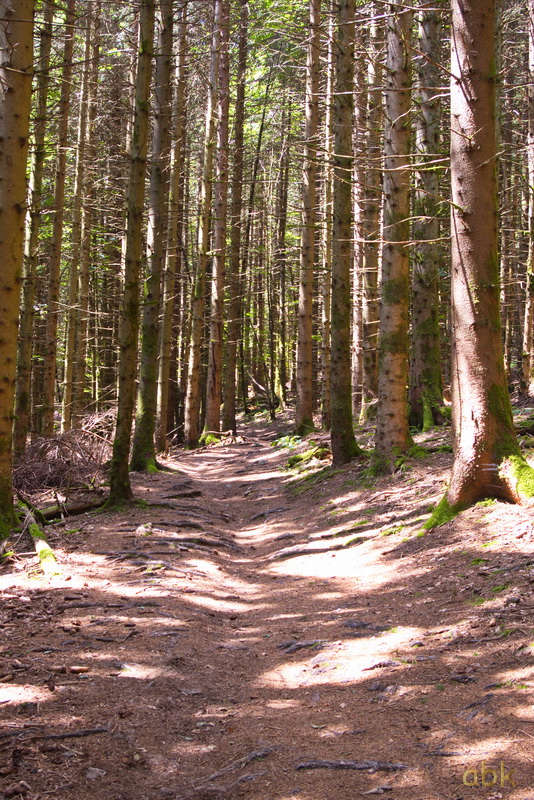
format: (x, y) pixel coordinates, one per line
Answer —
(426, 390)
(487, 459)
(16, 68)
(193, 394)
(31, 245)
(143, 451)
(212, 421)
(304, 409)
(344, 445)
(392, 431)
(120, 487)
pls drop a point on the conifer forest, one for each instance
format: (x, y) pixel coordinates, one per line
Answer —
(266, 398)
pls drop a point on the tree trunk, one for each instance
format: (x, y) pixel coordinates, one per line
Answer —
(304, 410)
(16, 67)
(528, 329)
(229, 406)
(76, 236)
(344, 445)
(120, 488)
(487, 458)
(143, 452)
(212, 421)
(193, 395)
(53, 308)
(25, 340)
(426, 390)
(370, 222)
(392, 431)
(174, 249)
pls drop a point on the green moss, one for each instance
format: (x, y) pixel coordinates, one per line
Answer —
(522, 473)
(305, 427)
(442, 513)
(209, 438)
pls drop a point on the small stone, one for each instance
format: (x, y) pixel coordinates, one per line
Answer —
(93, 773)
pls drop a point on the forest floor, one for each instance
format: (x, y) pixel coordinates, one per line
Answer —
(248, 631)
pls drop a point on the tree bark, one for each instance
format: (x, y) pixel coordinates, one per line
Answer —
(344, 445)
(143, 451)
(193, 395)
(304, 409)
(53, 308)
(25, 339)
(487, 458)
(212, 421)
(528, 328)
(392, 430)
(120, 488)
(426, 390)
(16, 68)
(229, 406)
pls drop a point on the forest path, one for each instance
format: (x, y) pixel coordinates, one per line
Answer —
(241, 622)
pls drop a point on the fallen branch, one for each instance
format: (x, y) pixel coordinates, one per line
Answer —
(239, 764)
(45, 554)
(72, 734)
(372, 766)
(59, 512)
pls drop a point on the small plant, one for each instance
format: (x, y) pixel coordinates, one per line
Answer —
(393, 531)
(476, 562)
(501, 588)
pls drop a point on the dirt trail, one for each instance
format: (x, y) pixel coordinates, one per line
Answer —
(239, 636)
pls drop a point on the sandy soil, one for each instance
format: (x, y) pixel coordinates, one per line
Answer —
(249, 632)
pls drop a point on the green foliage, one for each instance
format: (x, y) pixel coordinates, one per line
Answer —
(289, 442)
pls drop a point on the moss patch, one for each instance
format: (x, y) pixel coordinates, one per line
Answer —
(442, 513)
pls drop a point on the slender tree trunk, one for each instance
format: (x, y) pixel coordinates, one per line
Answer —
(193, 395)
(53, 308)
(120, 488)
(16, 67)
(143, 452)
(25, 340)
(229, 407)
(426, 390)
(281, 254)
(392, 430)
(174, 250)
(326, 276)
(88, 200)
(304, 410)
(76, 237)
(487, 458)
(344, 445)
(371, 202)
(212, 421)
(528, 328)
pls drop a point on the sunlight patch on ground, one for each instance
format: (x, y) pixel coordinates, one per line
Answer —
(344, 661)
(21, 693)
(360, 563)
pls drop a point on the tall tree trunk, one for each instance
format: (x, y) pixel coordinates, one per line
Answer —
(370, 223)
(88, 200)
(528, 328)
(392, 430)
(426, 390)
(16, 67)
(281, 252)
(344, 445)
(212, 421)
(76, 236)
(229, 406)
(53, 308)
(120, 488)
(25, 340)
(143, 452)
(304, 410)
(174, 249)
(326, 244)
(487, 458)
(193, 395)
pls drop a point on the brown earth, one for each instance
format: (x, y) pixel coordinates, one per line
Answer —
(256, 633)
